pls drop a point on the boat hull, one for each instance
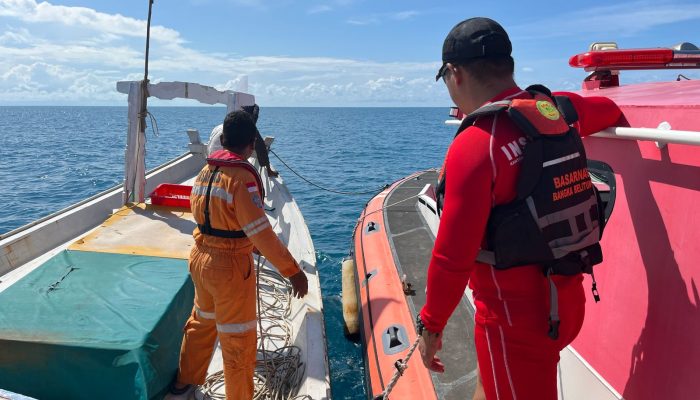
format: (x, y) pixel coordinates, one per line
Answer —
(392, 247)
(642, 338)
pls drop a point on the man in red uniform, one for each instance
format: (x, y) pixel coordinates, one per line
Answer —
(516, 357)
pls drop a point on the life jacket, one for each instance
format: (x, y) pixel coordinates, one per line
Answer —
(218, 159)
(556, 219)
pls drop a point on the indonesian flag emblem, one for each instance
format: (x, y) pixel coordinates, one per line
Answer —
(254, 194)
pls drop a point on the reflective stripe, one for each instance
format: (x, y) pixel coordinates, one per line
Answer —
(236, 328)
(514, 95)
(258, 229)
(205, 314)
(199, 190)
(493, 365)
(252, 228)
(568, 213)
(503, 102)
(255, 223)
(505, 361)
(498, 290)
(215, 191)
(560, 159)
(493, 161)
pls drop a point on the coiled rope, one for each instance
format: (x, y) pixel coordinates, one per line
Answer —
(278, 369)
(377, 190)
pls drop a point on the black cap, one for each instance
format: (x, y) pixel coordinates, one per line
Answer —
(475, 38)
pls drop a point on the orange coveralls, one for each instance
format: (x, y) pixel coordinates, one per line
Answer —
(224, 279)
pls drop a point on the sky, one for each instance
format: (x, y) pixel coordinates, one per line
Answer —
(307, 53)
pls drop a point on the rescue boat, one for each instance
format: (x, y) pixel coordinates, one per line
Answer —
(93, 298)
(640, 341)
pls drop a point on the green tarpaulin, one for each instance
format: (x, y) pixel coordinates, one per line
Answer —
(89, 325)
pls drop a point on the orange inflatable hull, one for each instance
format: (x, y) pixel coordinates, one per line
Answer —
(387, 323)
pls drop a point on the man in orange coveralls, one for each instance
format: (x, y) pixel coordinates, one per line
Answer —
(516, 356)
(227, 203)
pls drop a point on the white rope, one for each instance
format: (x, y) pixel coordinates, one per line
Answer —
(279, 368)
(400, 366)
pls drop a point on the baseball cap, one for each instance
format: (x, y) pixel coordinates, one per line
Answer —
(474, 38)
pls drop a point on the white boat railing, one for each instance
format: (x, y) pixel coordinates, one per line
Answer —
(187, 90)
(655, 135)
(135, 157)
(659, 135)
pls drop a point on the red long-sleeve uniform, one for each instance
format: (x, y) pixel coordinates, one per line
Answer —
(516, 357)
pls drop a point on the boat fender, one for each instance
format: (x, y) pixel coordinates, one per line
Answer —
(350, 308)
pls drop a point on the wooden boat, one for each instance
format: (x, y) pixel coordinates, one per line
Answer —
(640, 341)
(93, 298)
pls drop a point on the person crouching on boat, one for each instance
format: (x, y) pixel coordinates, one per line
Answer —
(227, 204)
(261, 152)
(260, 148)
(518, 331)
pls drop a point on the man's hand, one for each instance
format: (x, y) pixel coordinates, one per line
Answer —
(271, 172)
(300, 285)
(429, 344)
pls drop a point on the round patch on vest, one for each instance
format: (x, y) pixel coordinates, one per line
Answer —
(548, 110)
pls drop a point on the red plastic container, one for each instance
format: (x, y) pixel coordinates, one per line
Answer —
(171, 195)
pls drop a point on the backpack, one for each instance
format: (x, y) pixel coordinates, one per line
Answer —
(557, 217)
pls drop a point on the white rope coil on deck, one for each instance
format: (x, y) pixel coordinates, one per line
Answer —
(279, 368)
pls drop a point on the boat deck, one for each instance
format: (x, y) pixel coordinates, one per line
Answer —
(144, 247)
(411, 241)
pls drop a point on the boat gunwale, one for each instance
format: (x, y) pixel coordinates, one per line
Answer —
(381, 210)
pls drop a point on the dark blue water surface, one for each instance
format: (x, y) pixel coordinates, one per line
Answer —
(52, 157)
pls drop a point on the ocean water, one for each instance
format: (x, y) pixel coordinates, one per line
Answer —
(52, 157)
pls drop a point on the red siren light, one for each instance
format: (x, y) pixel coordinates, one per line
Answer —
(660, 58)
(623, 58)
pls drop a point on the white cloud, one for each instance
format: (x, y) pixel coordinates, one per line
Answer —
(96, 49)
(31, 11)
(16, 37)
(319, 9)
(404, 15)
(621, 19)
(327, 6)
(362, 21)
(55, 83)
(379, 91)
(240, 84)
(527, 69)
(379, 18)
(248, 3)
(383, 83)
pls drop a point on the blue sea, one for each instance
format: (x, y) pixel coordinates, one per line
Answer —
(52, 157)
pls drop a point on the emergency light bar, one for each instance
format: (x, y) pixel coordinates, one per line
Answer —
(659, 58)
